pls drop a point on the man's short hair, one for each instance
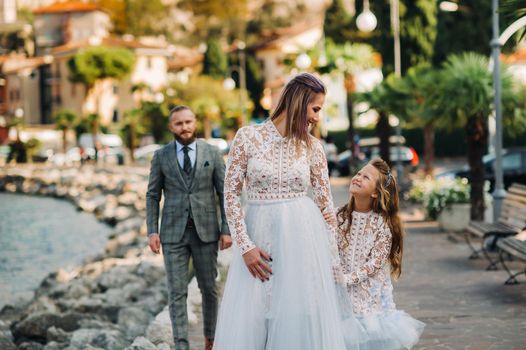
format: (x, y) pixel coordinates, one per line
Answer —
(179, 108)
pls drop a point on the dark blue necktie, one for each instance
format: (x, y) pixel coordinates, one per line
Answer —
(187, 165)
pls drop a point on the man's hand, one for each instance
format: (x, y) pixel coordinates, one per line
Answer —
(225, 241)
(155, 243)
(255, 261)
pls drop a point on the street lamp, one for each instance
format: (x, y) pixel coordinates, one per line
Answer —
(303, 61)
(499, 193)
(395, 25)
(366, 21)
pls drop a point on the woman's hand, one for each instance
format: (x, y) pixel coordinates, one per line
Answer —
(255, 261)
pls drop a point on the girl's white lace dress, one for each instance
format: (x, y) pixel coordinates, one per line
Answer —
(297, 309)
(375, 324)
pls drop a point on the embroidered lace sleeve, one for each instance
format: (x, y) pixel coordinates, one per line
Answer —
(377, 257)
(319, 179)
(234, 178)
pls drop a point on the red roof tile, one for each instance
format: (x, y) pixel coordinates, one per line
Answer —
(69, 6)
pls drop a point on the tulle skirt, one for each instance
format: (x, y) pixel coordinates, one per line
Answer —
(391, 330)
(298, 308)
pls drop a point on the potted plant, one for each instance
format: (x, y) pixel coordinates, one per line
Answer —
(445, 200)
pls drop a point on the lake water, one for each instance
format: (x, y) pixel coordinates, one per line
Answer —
(40, 235)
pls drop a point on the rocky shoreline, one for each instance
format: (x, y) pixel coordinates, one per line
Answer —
(117, 299)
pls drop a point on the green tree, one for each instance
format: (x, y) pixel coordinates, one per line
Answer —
(415, 90)
(468, 29)
(215, 17)
(94, 64)
(385, 99)
(138, 17)
(215, 62)
(211, 103)
(512, 10)
(465, 97)
(65, 120)
(337, 23)
(418, 31)
(155, 119)
(346, 59)
(132, 128)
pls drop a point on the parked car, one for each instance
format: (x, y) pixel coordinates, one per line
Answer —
(145, 154)
(513, 168)
(109, 148)
(220, 143)
(370, 149)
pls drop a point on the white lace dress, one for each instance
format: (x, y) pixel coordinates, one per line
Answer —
(376, 324)
(297, 308)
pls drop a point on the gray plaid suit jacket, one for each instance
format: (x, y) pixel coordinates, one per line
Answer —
(166, 178)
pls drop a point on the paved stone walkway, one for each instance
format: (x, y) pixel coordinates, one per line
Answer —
(464, 306)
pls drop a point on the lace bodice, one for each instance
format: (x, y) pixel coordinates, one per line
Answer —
(365, 262)
(271, 167)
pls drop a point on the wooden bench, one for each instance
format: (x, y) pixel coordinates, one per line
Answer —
(515, 247)
(512, 220)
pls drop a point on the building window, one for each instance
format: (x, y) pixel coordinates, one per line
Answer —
(115, 117)
(73, 90)
(149, 62)
(115, 89)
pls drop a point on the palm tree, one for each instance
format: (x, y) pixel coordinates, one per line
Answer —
(65, 120)
(418, 85)
(513, 10)
(386, 98)
(346, 59)
(464, 97)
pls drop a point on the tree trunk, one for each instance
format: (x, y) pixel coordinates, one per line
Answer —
(383, 131)
(132, 143)
(429, 147)
(207, 128)
(94, 132)
(65, 140)
(351, 132)
(477, 136)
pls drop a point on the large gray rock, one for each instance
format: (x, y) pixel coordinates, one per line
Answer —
(99, 338)
(58, 335)
(141, 343)
(35, 326)
(6, 340)
(160, 330)
(149, 272)
(117, 277)
(133, 321)
(53, 345)
(129, 224)
(153, 300)
(42, 304)
(30, 345)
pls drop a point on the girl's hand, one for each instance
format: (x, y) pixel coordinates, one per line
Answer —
(329, 217)
(255, 261)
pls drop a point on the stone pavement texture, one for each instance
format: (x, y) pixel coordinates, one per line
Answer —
(464, 306)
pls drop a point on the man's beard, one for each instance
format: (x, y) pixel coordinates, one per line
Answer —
(184, 141)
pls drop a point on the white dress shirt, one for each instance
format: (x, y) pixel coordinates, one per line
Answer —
(192, 153)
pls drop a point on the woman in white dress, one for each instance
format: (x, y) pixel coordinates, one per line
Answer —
(280, 293)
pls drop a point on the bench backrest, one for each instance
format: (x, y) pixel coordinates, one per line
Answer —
(513, 211)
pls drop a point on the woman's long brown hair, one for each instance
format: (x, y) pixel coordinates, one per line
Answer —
(294, 99)
(387, 205)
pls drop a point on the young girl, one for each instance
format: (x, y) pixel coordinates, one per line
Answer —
(370, 242)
